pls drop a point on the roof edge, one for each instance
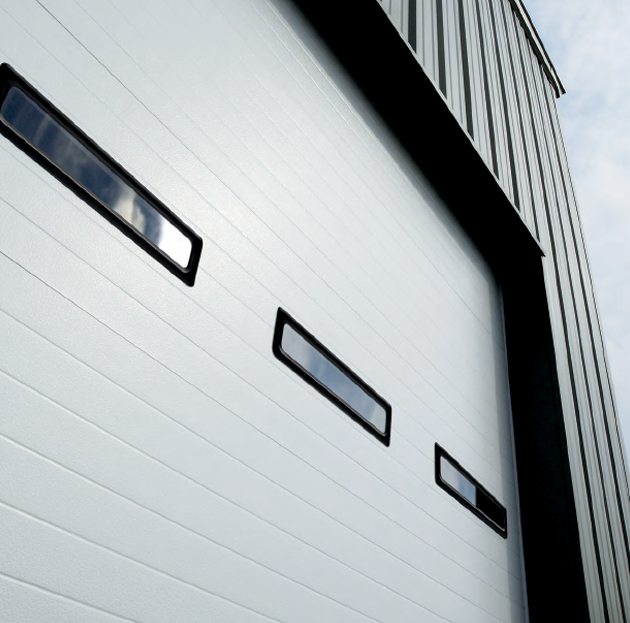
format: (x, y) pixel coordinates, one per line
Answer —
(537, 45)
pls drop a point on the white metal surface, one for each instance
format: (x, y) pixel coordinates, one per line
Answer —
(158, 464)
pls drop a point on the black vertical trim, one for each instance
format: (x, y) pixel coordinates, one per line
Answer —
(587, 482)
(506, 112)
(412, 24)
(465, 69)
(486, 88)
(556, 588)
(520, 118)
(596, 362)
(439, 14)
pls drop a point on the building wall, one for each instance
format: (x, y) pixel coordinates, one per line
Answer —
(486, 60)
(158, 463)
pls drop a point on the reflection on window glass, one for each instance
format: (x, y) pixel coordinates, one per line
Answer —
(329, 375)
(312, 361)
(458, 481)
(463, 487)
(52, 140)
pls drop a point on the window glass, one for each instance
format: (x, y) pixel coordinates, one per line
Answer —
(329, 375)
(457, 480)
(85, 168)
(463, 487)
(312, 361)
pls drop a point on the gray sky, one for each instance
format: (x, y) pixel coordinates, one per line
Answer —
(589, 44)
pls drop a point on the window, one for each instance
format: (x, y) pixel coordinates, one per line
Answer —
(45, 134)
(454, 479)
(306, 356)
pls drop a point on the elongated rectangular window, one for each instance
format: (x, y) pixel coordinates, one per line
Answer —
(306, 356)
(38, 128)
(455, 480)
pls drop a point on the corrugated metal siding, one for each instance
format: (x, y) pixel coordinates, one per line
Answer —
(489, 29)
(158, 464)
(516, 130)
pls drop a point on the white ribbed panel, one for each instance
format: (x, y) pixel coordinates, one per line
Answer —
(158, 464)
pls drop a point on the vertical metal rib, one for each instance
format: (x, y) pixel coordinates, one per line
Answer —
(486, 88)
(506, 112)
(439, 14)
(465, 69)
(521, 125)
(411, 26)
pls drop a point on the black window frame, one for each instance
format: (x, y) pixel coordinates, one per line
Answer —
(282, 319)
(10, 78)
(441, 452)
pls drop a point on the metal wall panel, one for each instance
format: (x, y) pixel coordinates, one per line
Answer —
(514, 125)
(396, 13)
(524, 96)
(597, 346)
(480, 112)
(455, 83)
(493, 95)
(507, 26)
(597, 425)
(427, 39)
(573, 382)
(237, 116)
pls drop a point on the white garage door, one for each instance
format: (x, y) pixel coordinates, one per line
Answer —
(158, 463)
